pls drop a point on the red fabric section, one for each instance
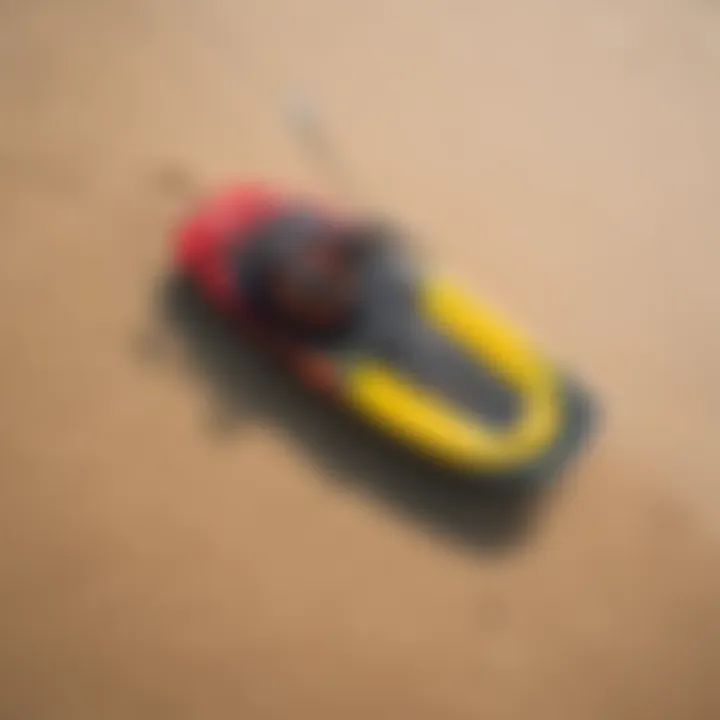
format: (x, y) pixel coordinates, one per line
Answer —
(199, 246)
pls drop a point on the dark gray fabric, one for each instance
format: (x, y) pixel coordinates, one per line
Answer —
(396, 332)
(388, 324)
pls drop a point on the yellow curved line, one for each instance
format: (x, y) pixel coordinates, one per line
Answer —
(433, 425)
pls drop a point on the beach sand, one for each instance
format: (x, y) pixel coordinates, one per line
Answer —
(184, 536)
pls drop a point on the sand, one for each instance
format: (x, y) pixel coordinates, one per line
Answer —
(184, 535)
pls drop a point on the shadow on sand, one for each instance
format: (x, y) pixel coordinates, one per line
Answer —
(246, 386)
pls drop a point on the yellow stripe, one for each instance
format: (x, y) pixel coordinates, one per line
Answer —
(433, 425)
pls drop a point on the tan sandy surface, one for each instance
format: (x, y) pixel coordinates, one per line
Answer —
(183, 537)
